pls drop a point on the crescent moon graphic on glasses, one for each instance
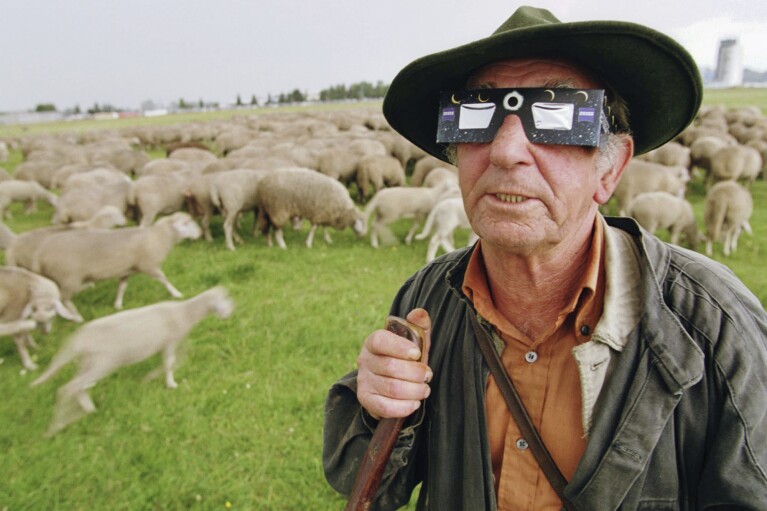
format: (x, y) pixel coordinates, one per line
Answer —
(550, 92)
(479, 98)
(454, 101)
(585, 94)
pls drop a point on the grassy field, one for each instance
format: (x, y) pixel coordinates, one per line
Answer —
(243, 430)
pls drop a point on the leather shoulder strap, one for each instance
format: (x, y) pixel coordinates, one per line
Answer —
(519, 412)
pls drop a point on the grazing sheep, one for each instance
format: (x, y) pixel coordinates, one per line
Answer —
(736, 163)
(671, 154)
(440, 174)
(27, 296)
(104, 345)
(444, 218)
(391, 204)
(425, 165)
(22, 248)
(198, 201)
(159, 194)
(7, 236)
(296, 192)
(193, 155)
(84, 194)
(4, 152)
(163, 166)
(644, 176)
(761, 146)
(41, 172)
(28, 192)
(233, 193)
(78, 257)
(378, 170)
(703, 150)
(661, 210)
(727, 211)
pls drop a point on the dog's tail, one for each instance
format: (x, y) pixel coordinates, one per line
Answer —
(62, 358)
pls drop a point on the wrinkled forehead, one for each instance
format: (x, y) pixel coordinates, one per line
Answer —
(534, 72)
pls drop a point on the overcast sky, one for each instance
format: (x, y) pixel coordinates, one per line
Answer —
(81, 52)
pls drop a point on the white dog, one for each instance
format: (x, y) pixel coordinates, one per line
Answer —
(106, 344)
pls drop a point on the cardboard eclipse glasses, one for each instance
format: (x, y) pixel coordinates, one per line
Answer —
(548, 115)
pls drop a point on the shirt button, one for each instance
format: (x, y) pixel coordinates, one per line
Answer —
(522, 444)
(531, 357)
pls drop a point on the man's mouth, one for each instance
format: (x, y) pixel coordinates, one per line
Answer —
(510, 198)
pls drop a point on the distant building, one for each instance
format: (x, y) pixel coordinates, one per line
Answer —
(729, 64)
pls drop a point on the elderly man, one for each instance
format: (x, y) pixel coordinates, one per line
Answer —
(642, 366)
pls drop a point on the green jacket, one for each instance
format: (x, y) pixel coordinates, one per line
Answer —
(679, 418)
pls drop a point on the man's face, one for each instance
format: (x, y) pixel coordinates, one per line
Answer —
(522, 197)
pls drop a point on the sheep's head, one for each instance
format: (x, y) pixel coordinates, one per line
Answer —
(221, 303)
(185, 226)
(43, 310)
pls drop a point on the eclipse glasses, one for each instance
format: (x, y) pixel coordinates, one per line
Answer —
(548, 115)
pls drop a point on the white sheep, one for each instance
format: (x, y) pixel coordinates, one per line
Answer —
(444, 218)
(25, 296)
(391, 204)
(103, 345)
(28, 192)
(7, 236)
(727, 211)
(291, 193)
(234, 192)
(198, 202)
(735, 162)
(84, 194)
(662, 210)
(644, 176)
(159, 194)
(22, 248)
(377, 171)
(439, 174)
(4, 152)
(75, 258)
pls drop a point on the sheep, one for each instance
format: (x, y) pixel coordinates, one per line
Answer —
(28, 192)
(304, 193)
(103, 345)
(4, 152)
(234, 192)
(157, 194)
(378, 171)
(761, 146)
(423, 166)
(20, 252)
(40, 171)
(444, 218)
(703, 150)
(671, 154)
(7, 236)
(727, 210)
(84, 194)
(643, 176)
(735, 162)
(391, 204)
(439, 174)
(198, 201)
(27, 296)
(77, 257)
(662, 210)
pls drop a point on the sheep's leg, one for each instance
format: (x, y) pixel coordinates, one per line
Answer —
(160, 277)
(21, 346)
(374, 235)
(168, 361)
(121, 287)
(709, 248)
(279, 238)
(431, 252)
(205, 224)
(228, 231)
(310, 236)
(326, 235)
(675, 233)
(30, 206)
(30, 341)
(69, 304)
(411, 233)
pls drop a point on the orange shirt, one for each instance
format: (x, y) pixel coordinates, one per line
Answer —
(546, 376)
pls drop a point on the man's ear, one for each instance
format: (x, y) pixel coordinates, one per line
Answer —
(623, 151)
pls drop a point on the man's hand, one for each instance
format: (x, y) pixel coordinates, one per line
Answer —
(391, 381)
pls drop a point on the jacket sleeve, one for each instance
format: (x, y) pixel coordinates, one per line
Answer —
(348, 430)
(347, 433)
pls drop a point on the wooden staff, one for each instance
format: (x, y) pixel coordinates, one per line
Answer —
(379, 450)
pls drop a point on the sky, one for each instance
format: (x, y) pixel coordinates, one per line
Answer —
(124, 53)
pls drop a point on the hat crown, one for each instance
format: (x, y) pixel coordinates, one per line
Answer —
(525, 17)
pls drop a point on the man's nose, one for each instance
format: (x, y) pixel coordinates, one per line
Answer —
(510, 145)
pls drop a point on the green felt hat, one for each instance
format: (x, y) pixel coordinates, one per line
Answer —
(654, 74)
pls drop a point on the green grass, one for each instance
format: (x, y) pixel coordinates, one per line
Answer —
(245, 425)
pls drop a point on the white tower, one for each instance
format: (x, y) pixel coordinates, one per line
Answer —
(729, 64)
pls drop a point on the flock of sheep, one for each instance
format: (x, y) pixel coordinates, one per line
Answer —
(331, 169)
(729, 148)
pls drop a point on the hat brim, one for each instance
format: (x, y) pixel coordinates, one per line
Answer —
(655, 75)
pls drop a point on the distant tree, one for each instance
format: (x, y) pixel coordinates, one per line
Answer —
(94, 109)
(77, 110)
(239, 100)
(253, 100)
(269, 99)
(201, 104)
(183, 105)
(45, 107)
